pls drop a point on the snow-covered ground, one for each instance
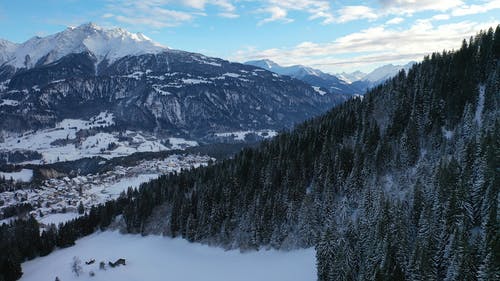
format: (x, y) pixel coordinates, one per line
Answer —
(319, 91)
(160, 258)
(240, 135)
(57, 218)
(112, 191)
(24, 175)
(68, 141)
(480, 106)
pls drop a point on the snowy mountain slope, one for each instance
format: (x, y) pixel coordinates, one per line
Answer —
(104, 44)
(311, 76)
(385, 72)
(147, 87)
(376, 76)
(73, 139)
(351, 77)
(364, 81)
(7, 48)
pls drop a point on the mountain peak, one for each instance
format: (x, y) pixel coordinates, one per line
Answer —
(85, 26)
(294, 70)
(264, 63)
(105, 44)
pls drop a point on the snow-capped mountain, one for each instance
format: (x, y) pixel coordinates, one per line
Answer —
(296, 71)
(364, 81)
(351, 77)
(385, 72)
(314, 77)
(83, 71)
(104, 44)
(377, 75)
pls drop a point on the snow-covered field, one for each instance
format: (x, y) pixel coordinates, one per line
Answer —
(111, 191)
(68, 141)
(160, 258)
(57, 218)
(24, 175)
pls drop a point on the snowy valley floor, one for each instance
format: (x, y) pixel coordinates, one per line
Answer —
(164, 259)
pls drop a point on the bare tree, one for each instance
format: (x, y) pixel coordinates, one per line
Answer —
(76, 266)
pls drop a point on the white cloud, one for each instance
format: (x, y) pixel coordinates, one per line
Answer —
(278, 10)
(228, 15)
(476, 9)
(197, 4)
(226, 5)
(397, 20)
(276, 14)
(350, 13)
(158, 14)
(413, 6)
(441, 17)
(376, 45)
(146, 13)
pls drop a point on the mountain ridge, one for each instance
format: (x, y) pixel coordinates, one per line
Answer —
(347, 83)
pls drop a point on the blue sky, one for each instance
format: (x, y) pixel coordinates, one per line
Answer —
(330, 35)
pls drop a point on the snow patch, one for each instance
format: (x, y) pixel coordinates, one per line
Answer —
(135, 75)
(194, 81)
(159, 89)
(447, 134)
(180, 143)
(480, 106)
(9, 102)
(233, 75)
(241, 135)
(319, 91)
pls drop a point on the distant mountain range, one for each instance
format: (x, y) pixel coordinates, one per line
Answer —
(314, 77)
(343, 83)
(376, 76)
(86, 70)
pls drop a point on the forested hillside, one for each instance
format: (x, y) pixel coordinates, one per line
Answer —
(400, 185)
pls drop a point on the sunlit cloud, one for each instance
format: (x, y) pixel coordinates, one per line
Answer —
(376, 45)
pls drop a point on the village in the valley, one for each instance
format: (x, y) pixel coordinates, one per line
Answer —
(60, 199)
